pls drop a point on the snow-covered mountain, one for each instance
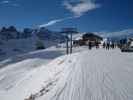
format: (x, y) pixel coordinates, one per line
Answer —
(127, 33)
(46, 34)
(49, 74)
(13, 42)
(42, 33)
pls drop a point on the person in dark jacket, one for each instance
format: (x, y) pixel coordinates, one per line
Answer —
(89, 45)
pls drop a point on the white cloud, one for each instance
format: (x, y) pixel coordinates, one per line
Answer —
(52, 22)
(79, 8)
(9, 3)
(5, 2)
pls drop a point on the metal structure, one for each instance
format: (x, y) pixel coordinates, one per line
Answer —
(69, 31)
(67, 46)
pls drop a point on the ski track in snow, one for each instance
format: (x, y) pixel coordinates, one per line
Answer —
(98, 75)
(86, 75)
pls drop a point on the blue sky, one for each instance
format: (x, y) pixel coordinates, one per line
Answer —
(88, 15)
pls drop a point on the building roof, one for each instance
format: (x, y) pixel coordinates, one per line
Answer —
(91, 35)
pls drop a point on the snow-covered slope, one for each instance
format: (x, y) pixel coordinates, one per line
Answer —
(93, 75)
(15, 70)
(77, 36)
(86, 75)
(20, 46)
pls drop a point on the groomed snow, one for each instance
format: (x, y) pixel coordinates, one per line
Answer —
(94, 75)
(86, 75)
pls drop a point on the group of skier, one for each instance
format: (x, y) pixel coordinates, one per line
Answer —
(90, 45)
(109, 45)
(105, 45)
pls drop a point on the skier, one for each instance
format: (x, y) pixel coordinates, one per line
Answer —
(89, 45)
